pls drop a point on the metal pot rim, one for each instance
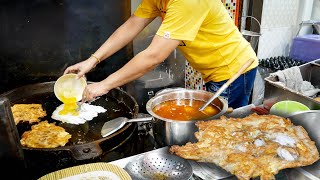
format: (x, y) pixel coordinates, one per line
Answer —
(303, 112)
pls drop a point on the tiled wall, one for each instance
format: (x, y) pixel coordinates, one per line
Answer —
(231, 6)
(193, 79)
(279, 25)
(316, 10)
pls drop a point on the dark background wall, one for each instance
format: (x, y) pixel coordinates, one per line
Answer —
(40, 38)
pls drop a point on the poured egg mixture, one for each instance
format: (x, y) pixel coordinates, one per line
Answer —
(70, 106)
(71, 112)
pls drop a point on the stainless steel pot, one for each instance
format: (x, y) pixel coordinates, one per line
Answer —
(171, 132)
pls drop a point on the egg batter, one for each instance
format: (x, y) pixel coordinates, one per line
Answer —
(70, 106)
(75, 114)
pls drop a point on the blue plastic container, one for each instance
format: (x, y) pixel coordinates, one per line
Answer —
(306, 47)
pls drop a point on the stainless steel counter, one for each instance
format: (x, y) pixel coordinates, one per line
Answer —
(208, 171)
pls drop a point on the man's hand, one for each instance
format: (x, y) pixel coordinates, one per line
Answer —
(94, 90)
(82, 68)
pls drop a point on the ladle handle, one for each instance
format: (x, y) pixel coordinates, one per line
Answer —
(141, 119)
(226, 85)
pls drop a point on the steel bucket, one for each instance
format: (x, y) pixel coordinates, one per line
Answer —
(251, 36)
(171, 132)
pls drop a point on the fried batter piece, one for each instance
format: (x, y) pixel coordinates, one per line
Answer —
(45, 135)
(257, 145)
(27, 113)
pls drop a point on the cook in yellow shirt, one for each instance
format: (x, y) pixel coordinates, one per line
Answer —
(211, 42)
(201, 29)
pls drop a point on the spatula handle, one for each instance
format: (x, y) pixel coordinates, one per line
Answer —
(225, 85)
(241, 70)
(141, 119)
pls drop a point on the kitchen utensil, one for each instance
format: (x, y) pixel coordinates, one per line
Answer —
(114, 125)
(241, 112)
(159, 166)
(226, 85)
(68, 86)
(287, 108)
(169, 132)
(207, 171)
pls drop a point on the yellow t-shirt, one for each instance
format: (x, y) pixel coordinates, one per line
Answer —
(211, 42)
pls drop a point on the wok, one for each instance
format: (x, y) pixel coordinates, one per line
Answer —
(86, 142)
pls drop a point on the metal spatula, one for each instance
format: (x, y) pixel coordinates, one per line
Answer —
(114, 125)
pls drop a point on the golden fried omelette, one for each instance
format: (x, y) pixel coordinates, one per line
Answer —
(257, 145)
(27, 113)
(45, 135)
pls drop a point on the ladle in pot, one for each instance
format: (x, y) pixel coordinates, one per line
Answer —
(226, 85)
(114, 125)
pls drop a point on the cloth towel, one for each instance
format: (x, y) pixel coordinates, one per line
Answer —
(292, 79)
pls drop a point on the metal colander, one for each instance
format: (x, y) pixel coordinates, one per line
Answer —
(159, 166)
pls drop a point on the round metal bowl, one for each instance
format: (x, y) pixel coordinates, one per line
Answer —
(159, 166)
(310, 121)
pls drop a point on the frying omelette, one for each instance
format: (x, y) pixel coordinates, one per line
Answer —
(257, 145)
(27, 113)
(45, 135)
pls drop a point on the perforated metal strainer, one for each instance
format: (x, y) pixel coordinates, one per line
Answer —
(159, 166)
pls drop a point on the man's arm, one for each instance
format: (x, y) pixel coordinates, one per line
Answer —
(159, 49)
(122, 36)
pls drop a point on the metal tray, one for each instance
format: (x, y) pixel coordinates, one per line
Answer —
(275, 92)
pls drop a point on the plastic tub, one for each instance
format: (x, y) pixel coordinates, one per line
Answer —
(306, 47)
(287, 108)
